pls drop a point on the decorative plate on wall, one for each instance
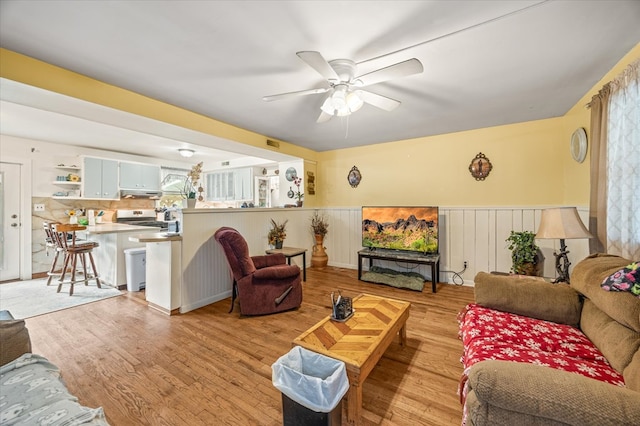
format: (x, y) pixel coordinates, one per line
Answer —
(291, 174)
(354, 177)
(480, 167)
(579, 145)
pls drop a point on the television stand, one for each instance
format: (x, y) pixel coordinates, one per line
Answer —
(418, 258)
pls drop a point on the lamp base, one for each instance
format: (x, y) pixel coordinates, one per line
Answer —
(562, 264)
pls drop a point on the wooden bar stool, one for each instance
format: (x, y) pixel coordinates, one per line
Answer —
(74, 249)
(50, 243)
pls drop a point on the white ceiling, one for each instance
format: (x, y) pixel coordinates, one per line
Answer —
(486, 63)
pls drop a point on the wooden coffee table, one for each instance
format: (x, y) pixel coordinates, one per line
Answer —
(359, 342)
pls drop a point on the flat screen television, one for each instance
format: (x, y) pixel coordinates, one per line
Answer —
(400, 228)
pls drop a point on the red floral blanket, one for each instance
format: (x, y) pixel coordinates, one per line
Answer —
(490, 334)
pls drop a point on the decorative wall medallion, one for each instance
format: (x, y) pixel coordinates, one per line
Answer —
(480, 167)
(291, 174)
(354, 177)
(579, 145)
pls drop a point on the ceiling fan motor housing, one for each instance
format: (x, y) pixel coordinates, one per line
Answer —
(345, 68)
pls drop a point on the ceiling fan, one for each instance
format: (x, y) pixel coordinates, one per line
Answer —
(344, 93)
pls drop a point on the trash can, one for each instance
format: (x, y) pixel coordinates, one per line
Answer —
(135, 268)
(312, 387)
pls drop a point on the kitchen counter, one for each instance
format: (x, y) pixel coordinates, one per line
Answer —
(112, 227)
(109, 256)
(156, 237)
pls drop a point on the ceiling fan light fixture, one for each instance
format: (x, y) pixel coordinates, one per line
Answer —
(354, 102)
(186, 153)
(327, 106)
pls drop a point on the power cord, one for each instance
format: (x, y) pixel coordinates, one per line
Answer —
(457, 275)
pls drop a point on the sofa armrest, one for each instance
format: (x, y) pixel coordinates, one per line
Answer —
(266, 260)
(14, 336)
(505, 392)
(277, 272)
(531, 297)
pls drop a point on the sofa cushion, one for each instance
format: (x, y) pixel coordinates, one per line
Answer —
(490, 334)
(14, 336)
(586, 278)
(631, 373)
(530, 297)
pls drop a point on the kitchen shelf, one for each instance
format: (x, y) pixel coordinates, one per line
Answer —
(65, 182)
(60, 197)
(63, 167)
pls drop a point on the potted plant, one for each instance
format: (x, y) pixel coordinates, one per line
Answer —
(298, 195)
(277, 233)
(320, 227)
(524, 253)
(191, 184)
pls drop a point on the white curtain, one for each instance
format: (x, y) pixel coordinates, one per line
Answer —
(623, 165)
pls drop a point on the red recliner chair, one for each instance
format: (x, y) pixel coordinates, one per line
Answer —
(263, 284)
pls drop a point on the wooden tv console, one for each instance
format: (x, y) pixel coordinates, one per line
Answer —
(419, 258)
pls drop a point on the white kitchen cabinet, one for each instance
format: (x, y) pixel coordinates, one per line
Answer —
(100, 178)
(243, 184)
(231, 185)
(220, 186)
(139, 176)
(262, 192)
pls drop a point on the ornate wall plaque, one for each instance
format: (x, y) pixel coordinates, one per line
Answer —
(480, 167)
(354, 177)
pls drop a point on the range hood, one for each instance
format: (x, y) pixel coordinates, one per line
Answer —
(140, 193)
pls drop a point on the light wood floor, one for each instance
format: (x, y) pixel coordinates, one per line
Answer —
(209, 367)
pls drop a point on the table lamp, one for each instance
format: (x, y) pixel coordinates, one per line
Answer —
(562, 223)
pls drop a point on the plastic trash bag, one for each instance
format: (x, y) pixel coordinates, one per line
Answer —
(312, 380)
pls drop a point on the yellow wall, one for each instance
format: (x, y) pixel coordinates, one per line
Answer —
(434, 170)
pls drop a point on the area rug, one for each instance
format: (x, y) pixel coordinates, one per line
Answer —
(408, 280)
(26, 299)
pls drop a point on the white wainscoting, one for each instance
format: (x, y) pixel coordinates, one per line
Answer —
(472, 234)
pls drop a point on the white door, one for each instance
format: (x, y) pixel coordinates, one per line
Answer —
(10, 244)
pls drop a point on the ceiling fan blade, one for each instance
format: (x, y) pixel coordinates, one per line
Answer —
(378, 101)
(401, 69)
(293, 94)
(318, 63)
(323, 117)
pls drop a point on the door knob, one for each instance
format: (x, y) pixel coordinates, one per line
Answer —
(14, 225)
(14, 216)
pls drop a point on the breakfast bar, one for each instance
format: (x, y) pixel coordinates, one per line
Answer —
(163, 270)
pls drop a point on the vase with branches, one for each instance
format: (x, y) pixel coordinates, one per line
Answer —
(320, 227)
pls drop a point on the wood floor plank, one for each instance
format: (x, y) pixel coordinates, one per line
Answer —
(211, 367)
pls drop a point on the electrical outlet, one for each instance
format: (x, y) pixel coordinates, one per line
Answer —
(38, 207)
(465, 264)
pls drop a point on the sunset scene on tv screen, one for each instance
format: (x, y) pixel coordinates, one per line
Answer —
(401, 228)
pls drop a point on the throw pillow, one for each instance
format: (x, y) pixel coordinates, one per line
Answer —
(626, 279)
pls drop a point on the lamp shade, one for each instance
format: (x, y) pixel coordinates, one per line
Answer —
(562, 223)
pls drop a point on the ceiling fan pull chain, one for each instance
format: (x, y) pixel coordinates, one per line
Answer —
(346, 129)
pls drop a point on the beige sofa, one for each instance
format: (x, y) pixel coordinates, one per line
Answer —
(515, 393)
(33, 392)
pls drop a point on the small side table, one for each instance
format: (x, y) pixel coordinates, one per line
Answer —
(290, 252)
